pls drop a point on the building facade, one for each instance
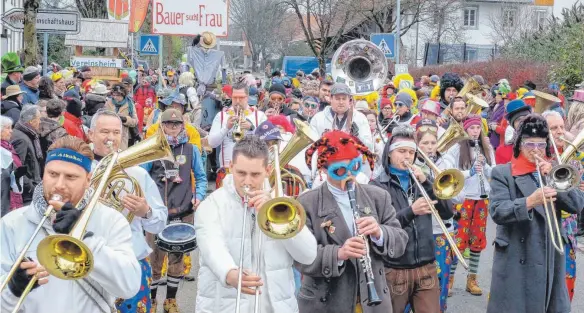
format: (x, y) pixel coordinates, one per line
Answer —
(10, 41)
(466, 31)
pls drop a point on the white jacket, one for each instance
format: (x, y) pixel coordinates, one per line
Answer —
(472, 189)
(156, 223)
(218, 223)
(323, 121)
(116, 272)
(220, 135)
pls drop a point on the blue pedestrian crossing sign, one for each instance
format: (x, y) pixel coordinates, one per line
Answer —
(149, 44)
(385, 42)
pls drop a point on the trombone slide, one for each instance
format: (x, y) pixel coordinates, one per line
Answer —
(556, 238)
(451, 241)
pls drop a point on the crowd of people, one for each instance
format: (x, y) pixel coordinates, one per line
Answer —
(370, 199)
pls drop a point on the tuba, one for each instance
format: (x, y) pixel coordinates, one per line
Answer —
(361, 65)
(471, 86)
(543, 101)
(453, 135)
(475, 104)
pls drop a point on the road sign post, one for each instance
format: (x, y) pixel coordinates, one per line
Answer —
(47, 21)
(149, 44)
(385, 42)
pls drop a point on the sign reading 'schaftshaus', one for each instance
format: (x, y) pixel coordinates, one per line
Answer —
(190, 17)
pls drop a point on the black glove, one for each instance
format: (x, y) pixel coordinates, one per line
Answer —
(354, 129)
(457, 216)
(19, 172)
(123, 118)
(66, 218)
(20, 280)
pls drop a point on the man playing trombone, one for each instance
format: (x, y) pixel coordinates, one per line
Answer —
(412, 277)
(218, 223)
(115, 273)
(528, 266)
(356, 229)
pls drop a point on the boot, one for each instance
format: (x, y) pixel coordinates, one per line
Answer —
(450, 284)
(153, 307)
(170, 306)
(472, 286)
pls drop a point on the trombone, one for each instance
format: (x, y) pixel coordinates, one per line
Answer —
(451, 241)
(279, 218)
(66, 256)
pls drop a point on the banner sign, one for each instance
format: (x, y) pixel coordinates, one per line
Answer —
(96, 62)
(190, 18)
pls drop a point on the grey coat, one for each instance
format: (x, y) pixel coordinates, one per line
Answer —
(528, 275)
(328, 287)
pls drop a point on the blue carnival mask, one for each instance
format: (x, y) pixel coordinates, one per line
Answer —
(341, 170)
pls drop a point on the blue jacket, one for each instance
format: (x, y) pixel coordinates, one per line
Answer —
(198, 172)
(30, 96)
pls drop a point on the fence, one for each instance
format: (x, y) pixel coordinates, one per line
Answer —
(439, 53)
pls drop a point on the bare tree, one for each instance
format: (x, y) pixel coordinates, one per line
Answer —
(323, 22)
(379, 15)
(258, 19)
(92, 8)
(58, 4)
(514, 22)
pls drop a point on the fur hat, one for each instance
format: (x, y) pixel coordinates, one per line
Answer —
(534, 125)
(450, 80)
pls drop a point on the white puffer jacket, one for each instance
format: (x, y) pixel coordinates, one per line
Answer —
(218, 222)
(323, 121)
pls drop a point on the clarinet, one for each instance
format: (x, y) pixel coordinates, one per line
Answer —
(481, 182)
(365, 261)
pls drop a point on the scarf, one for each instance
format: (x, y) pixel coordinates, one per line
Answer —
(15, 158)
(119, 105)
(182, 137)
(403, 177)
(32, 134)
(40, 203)
(521, 166)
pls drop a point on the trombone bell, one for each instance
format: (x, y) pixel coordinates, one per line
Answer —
(281, 218)
(65, 257)
(448, 184)
(564, 177)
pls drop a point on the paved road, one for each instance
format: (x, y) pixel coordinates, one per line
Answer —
(461, 301)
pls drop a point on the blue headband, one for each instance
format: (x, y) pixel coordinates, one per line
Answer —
(68, 155)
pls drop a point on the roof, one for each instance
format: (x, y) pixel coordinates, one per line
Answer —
(101, 33)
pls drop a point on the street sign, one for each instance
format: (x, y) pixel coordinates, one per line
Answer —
(149, 44)
(47, 21)
(401, 68)
(190, 18)
(385, 42)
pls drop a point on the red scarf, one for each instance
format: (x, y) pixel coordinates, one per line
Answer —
(521, 166)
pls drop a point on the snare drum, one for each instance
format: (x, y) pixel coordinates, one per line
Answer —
(177, 238)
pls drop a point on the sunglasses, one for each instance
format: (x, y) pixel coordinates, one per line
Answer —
(400, 104)
(340, 171)
(534, 145)
(310, 105)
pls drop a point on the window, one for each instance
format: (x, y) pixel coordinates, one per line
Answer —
(471, 55)
(540, 18)
(470, 17)
(509, 17)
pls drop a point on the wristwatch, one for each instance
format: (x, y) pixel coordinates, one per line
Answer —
(148, 214)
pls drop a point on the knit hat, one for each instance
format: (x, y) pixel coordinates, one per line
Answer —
(403, 98)
(516, 109)
(450, 80)
(11, 63)
(278, 89)
(267, 131)
(434, 80)
(100, 89)
(336, 146)
(472, 120)
(74, 107)
(171, 115)
(361, 105)
(529, 85)
(30, 73)
(385, 102)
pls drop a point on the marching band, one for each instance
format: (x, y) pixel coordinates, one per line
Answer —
(322, 207)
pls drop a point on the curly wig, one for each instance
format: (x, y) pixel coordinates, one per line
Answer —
(450, 80)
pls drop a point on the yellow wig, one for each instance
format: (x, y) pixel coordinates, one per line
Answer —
(435, 93)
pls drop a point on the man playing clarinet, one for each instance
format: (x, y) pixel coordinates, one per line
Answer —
(337, 281)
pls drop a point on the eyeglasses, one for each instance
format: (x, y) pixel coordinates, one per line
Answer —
(387, 108)
(276, 99)
(534, 145)
(340, 171)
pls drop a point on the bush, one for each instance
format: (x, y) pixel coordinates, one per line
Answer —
(515, 71)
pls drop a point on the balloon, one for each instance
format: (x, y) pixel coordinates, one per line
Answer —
(133, 74)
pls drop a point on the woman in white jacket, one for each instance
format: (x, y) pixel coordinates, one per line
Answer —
(218, 222)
